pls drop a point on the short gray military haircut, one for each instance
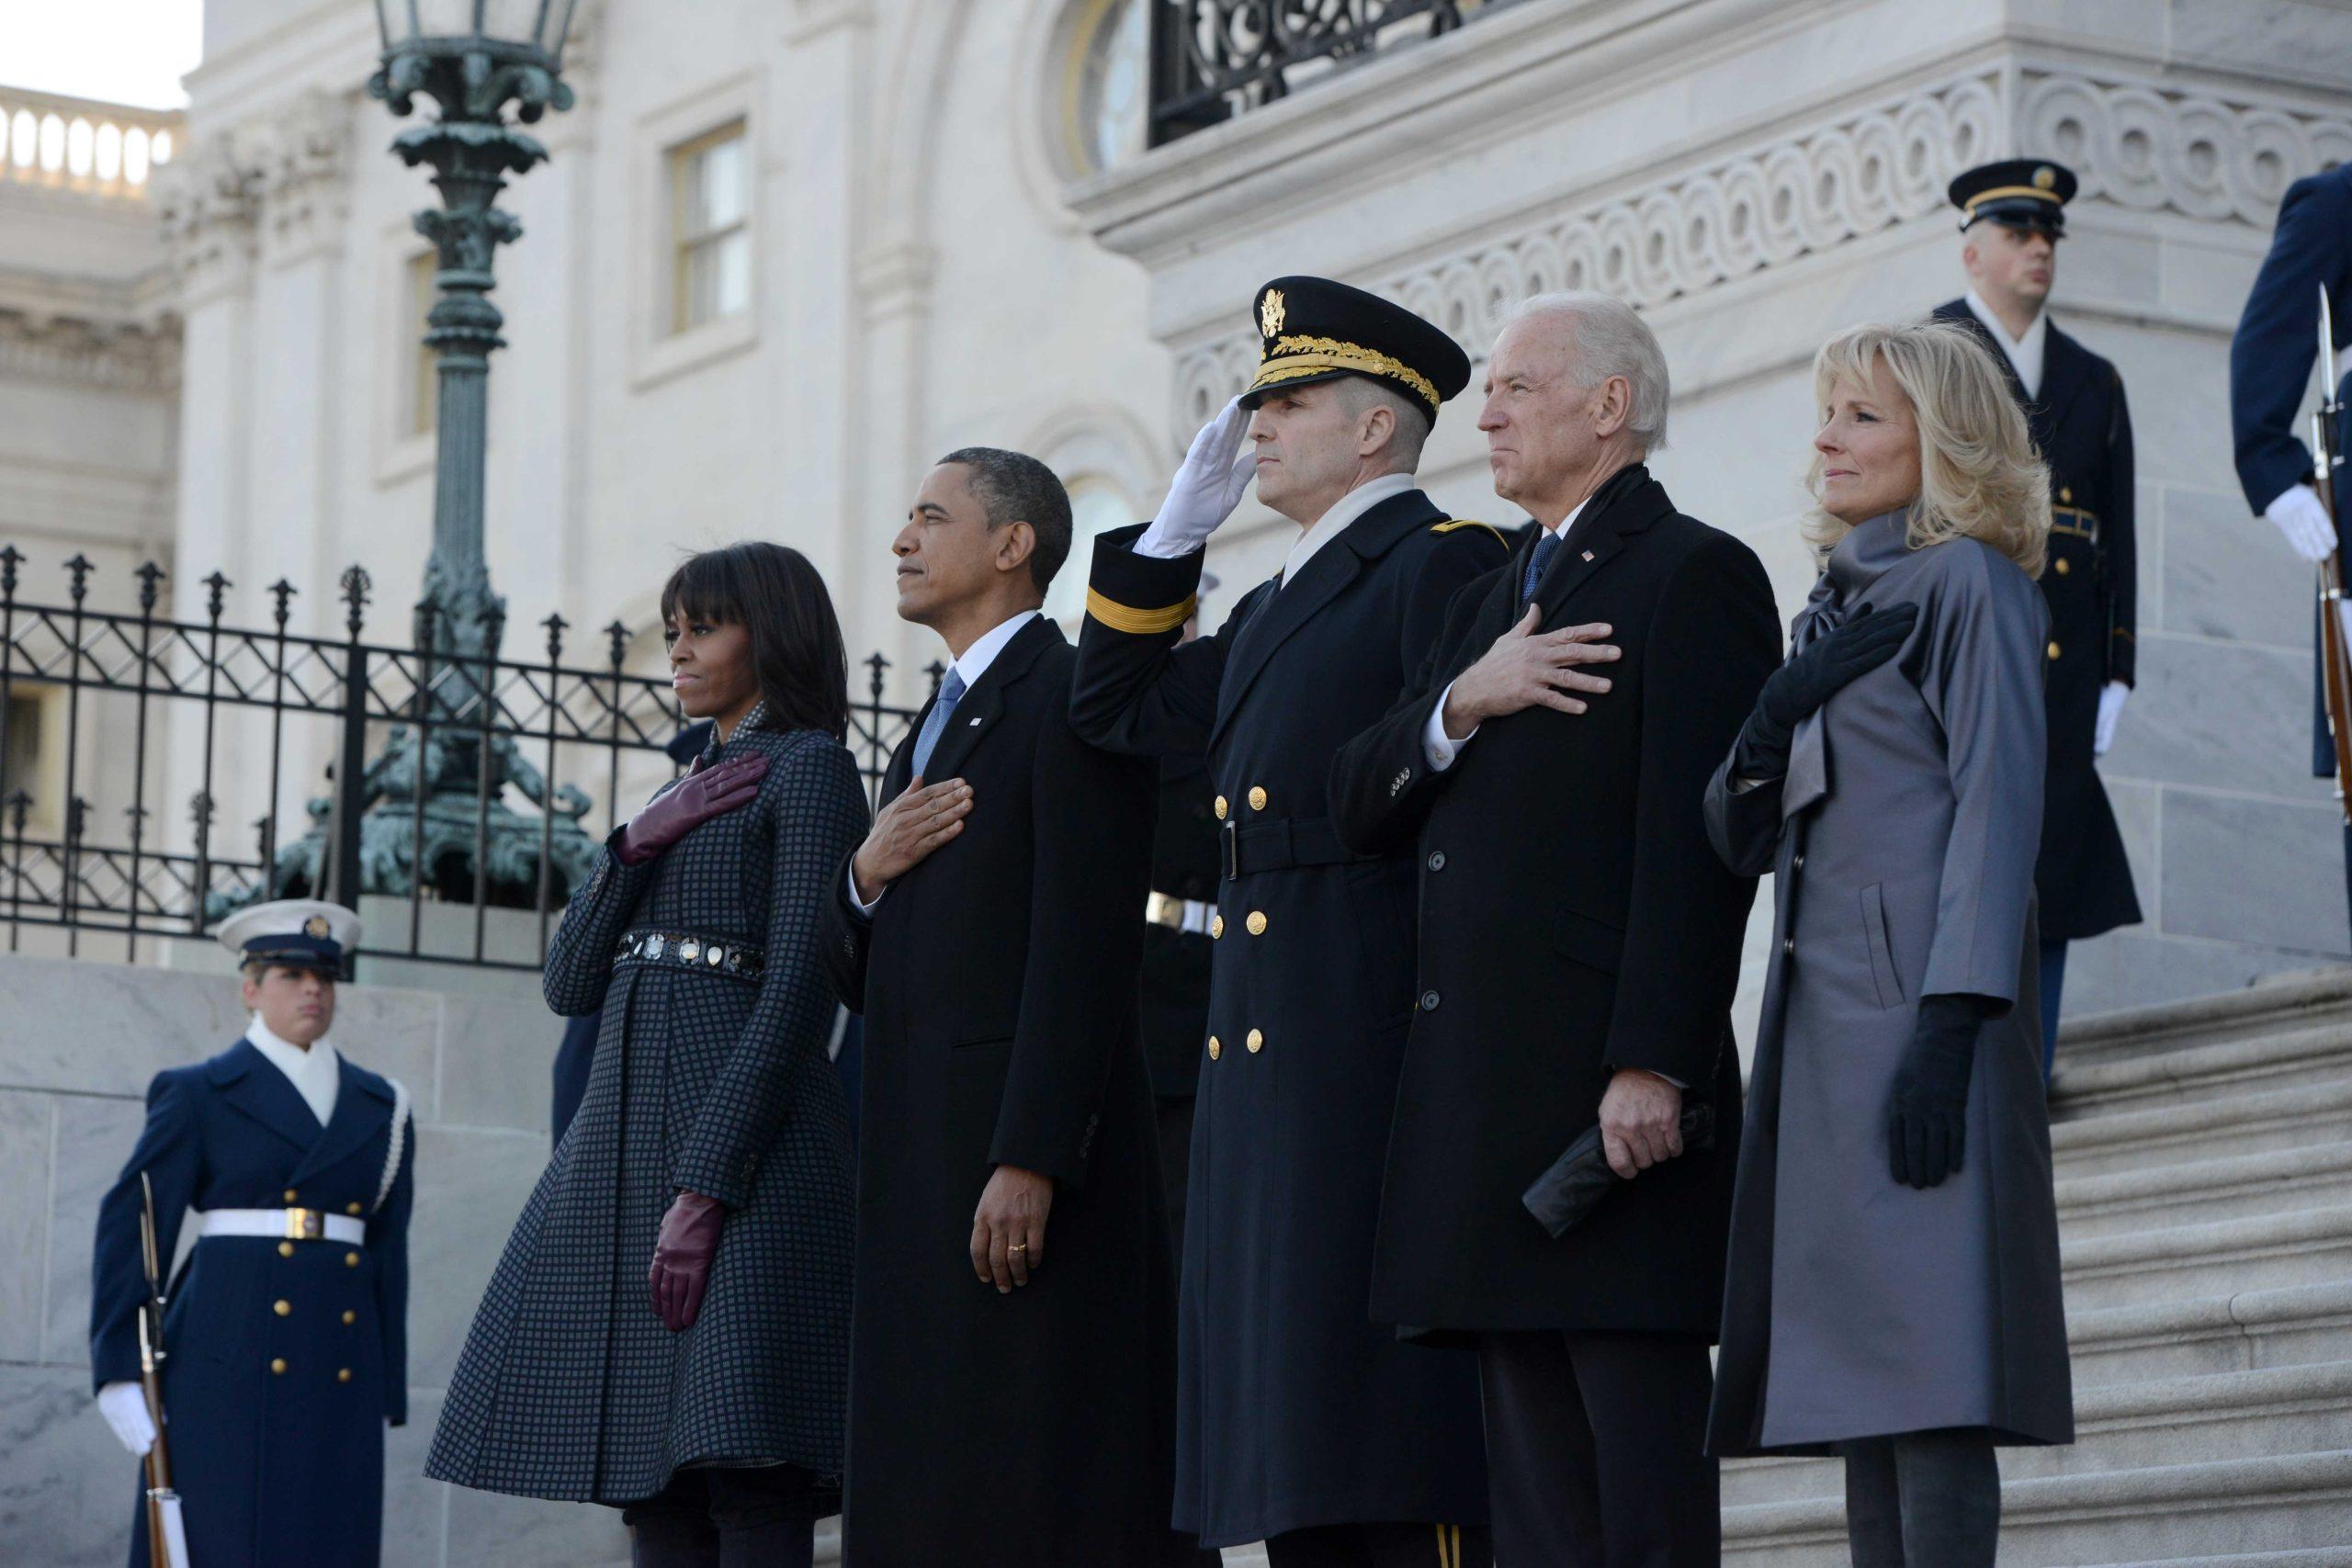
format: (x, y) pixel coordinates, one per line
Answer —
(1612, 339)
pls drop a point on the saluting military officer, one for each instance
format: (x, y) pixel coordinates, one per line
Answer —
(2012, 215)
(286, 1338)
(1299, 1420)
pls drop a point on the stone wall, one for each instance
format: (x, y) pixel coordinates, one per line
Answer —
(79, 1039)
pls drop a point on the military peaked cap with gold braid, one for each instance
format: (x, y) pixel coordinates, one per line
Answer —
(1311, 329)
(2021, 193)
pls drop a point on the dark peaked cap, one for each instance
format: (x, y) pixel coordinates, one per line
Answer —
(2023, 193)
(1311, 329)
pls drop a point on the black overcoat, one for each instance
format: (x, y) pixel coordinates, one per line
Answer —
(569, 1386)
(284, 1359)
(1295, 1408)
(2082, 425)
(1574, 920)
(998, 984)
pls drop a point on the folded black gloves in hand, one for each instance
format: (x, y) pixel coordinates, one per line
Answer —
(1867, 638)
(1927, 1118)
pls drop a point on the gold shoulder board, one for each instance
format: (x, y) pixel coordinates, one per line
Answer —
(1471, 523)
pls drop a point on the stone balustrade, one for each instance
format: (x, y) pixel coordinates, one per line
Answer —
(81, 145)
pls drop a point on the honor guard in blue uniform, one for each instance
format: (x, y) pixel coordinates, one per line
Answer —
(1300, 1420)
(285, 1337)
(2012, 215)
(2270, 371)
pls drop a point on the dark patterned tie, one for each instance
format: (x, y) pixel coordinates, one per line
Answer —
(1546, 548)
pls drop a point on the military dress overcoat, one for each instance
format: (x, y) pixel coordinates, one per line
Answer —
(2082, 425)
(1902, 841)
(284, 1359)
(998, 982)
(706, 1080)
(1574, 921)
(1295, 1407)
(2271, 356)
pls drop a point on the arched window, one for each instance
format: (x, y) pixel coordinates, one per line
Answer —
(1096, 506)
(1106, 84)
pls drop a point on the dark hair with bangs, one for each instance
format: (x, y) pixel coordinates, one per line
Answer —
(797, 654)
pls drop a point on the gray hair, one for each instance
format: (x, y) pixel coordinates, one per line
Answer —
(1360, 394)
(1610, 339)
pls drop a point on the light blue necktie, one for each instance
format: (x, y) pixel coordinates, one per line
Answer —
(951, 692)
(1546, 548)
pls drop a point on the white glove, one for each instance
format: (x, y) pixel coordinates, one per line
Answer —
(2304, 522)
(2111, 708)
(124, 1404)
(1217, 468)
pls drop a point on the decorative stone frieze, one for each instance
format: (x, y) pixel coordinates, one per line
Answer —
(207, 201)
(304, 178)
(114, 354)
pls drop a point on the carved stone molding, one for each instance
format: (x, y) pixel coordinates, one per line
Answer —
(2136, 145)
(118, 356)
(207, 201)
(304, 167)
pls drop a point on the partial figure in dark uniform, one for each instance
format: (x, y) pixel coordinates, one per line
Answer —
(2270, 371)
(667, 1331)
(1176, 952)
(287, 1337)
(2012, 215)
(1301, 1421)
(577, 1054)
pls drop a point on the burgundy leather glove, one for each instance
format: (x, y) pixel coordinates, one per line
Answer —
(694, 802)
(682, 1255)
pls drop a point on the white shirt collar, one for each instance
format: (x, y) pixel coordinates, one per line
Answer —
(976, 660)
(1561, 533)
(2025, 353)
(315, 1072)
(1345, 510)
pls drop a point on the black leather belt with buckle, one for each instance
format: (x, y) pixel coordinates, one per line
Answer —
(684, 950)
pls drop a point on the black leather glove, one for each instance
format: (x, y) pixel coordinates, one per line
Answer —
(1867, 638)
(704, 795)
(682, 1250)
(1927, 1116)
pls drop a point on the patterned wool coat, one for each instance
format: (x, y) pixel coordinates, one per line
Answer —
(569, 1387)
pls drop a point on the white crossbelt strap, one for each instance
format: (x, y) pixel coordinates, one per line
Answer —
(392, 1149)
(340, 1228)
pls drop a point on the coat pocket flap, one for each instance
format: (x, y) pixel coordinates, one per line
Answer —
(1593, 943)
(1883, 977)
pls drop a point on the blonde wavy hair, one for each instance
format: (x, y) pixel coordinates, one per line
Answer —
(1980, 476)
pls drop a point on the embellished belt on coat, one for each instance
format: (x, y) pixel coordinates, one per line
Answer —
(1284, 844)
(684, 950)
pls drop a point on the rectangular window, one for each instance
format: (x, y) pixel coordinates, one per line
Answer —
(711, 228)
(422, 383)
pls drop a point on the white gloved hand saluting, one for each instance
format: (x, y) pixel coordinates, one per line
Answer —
(1208, 487)
(2299, 516)
(124, 1404)
(2111, 708)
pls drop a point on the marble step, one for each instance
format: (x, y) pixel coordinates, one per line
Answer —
(2303, 1246)
(2240, 1331)
(2241, 1187)
(2320, 1052)
(2281, 1003)
(2223, 1125)
(2164, 1421)
(2290, 1503)
(2316, 1557)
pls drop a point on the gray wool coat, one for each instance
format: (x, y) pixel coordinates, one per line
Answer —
(569, 1386)
(1903, 841)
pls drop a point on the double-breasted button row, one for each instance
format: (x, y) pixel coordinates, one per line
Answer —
(1253, 1042)
(277, 1369)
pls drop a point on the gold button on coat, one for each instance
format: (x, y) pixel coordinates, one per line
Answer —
(1216, 927)
(343, 1374)
(2054, 649)
(1257, 923)
(1257, 798)
(1215, 1050)
(277, 1365)
(282, 1309)
(351, 1260)
(291, 1194)
(1257, 1042)
(2061, 566)
(2066, 493)
(1220, 809)
(349, 1317)
(351, 1208)
(285, 1249)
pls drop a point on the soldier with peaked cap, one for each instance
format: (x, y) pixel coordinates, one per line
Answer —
(1300, 1420)
(286, 1338)
(2012, 215)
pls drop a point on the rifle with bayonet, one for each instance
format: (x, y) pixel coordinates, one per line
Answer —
(167, 1535)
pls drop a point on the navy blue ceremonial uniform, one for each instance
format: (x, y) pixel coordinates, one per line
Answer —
(2082, 426)
(2270, 366)
(286, 1356)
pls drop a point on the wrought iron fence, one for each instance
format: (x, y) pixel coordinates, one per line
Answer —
(1214, 59)
(423, 747)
